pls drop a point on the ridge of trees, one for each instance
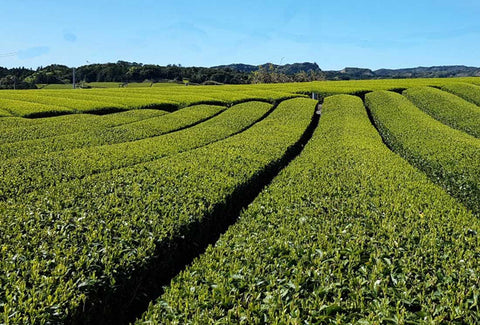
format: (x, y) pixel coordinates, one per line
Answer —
(124, 72)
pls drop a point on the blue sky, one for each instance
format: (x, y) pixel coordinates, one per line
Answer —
(335, 34)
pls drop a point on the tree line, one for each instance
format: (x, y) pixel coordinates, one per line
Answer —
(125, 72)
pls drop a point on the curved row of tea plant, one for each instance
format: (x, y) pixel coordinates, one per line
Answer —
(168, 97)
(448, 156)
(22, 108)
(4, 113)
(447, 108)
(19, 122)
(348, 233)
(73, 246)
(185, 95)
(358, 87)
(146, 128)
(24, 174)
(465, 90)
(55, 102)
(13, 129)
(118, 99)
(47, 106)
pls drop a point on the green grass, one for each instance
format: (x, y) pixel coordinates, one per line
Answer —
(54, 86)
(139, 84)
(103, 84)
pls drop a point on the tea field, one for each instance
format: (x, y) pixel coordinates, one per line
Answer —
(242, 204)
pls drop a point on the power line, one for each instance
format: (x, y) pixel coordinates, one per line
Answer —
(6, 55)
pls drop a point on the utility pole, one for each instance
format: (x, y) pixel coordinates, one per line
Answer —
(73, 81)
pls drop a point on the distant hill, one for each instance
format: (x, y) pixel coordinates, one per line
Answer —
(288, 69)
(350, 73)
(362, 73)
(429, 72)
(240, 67)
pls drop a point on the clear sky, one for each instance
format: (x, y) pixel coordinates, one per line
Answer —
(335, 34)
